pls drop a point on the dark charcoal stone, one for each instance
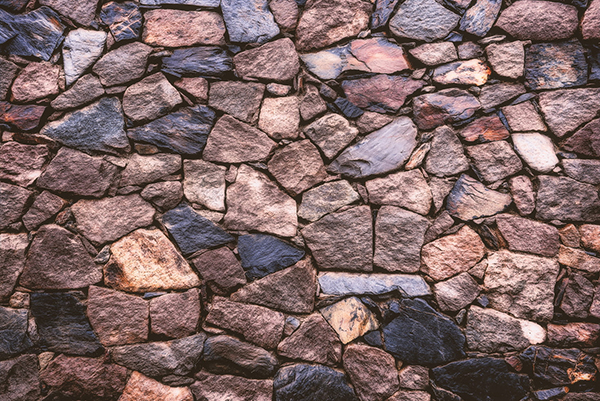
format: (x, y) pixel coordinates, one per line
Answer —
(383, 12)
(565, 199)
(224, 354)
(347, 108)
(264, 254)
(484, 379)
(14, 5)
(419, 335)
(13, 333)
(559, 367)
(555, 65)
(193, 232)
(123, 19)
(62, 324)
(184, 131)
(480, 18)
(312, 383)
(38, 33)
(21, 117)
(19, 379)
(205, 60)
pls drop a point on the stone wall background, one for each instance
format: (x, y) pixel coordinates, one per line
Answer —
(299, 200)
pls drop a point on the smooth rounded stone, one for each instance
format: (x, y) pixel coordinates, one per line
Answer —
(382, 151)
(123, 19)
(239, 99)
(150, 98)
(562, 198)
(196, 87)
(45, 206)
(301, 382)
(420, 335)
(82, 12)
(480, 17)
(470, 199)
(117, 318)
(179, 28)
(530, 236)
(435, 53)
(87, 89)
(108, 219)
(184, 131)
(507, 59)
(256, 324)
(290, 290)
(523, 117)
(13, 203)
(456, 293)
(406, 189)
(123, 65)
(297, 167)
(555, 65)
(81, 49)
(342, 240)
(97, 127)
(331, 133)
(491, 331)
(577, 334)
(325, 199)
(453, 254)
(467, 72)
(154, 359)
(20, 378)
(381, 93)
(254, 202)
(228, 355)
(565, 110)
(285, 13)
(522, 193)
(311, 104)
(314, 341)
(22, 164)
(76, 173)
(13, 332)
(424, 20)
(280, 117)
(537, 150)
(233, 141)
(12, 261)
(204, 183)
(590, 24)
(175, 315)
(350, 319)
(142, 170)
(164, 195)
(539, 20)
(590, 237)
(141, 387)
(58, 260)
(220, 270)
(9, 72)
(21, 117)
(193, 61)
(36, 81)
(249, 22)
(263, 254)
(275, 61)
(446, 106)
(146, 261)
(577, 296)
(485, 129)
(559, 367)
(334, 283)
(521, 284)
(225, 387)
(372, 372)
(494, 95)
(583, 170)
(324, 22)
(578, 259)
(482, 379)
(446, 156)
(62, 324)
(494, 161)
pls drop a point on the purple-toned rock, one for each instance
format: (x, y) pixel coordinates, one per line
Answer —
(204, 184)
(381, 93)
(297, 167)
(142, 170)
(555, 65)
(523, 117)
(383, 12)
(586, 140)
(470, 199)
(150, 98)
(274, 61)
(456, 293)
(311, 104)
(446, 106)
(304, 382)
(123, 65)
(407, 189)
(565, 199)
(372, 372)
(590, 24)
(231, 387)
(81, 49)
(507, 59)
(22, 164)
(87, 89)
(36, 81)
(497, 94)
(280, 117)
(179, 28)
(196, 87)
(565, 110)
(194, 61)
(494, 161)
(20, 378)
(285, 13)
(468, 72)
(21, 117)
(446, 156)
(238, 99)
(577, 297)
(164, 195)
(249, 21)
(480, 17)
(123, 19)
(12, 261)
(590, 237)
(530, 236)
(220, 270)
(424, 20)
(522, 193)
(82, 12)
(45, 206)
(228, 355)
(13, 203)
(331, 133)
(435, 53)
(485, 129)
(326, 198)
(9, 72)
(577, 334)
(583, 170)
(175, 315)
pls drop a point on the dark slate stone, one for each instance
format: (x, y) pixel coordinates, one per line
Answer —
(13, 332)
(38, 33)
(421, 336)
(25, 117)
(347, 108)
(14, 5)
(6, 32)
(62, 324)
(184, 131)
(480, 17)
(123, 19)
(559, 367)
(311, 383)
(594, 60)
(555, 65)
(482, 379)
(193, 232)
(228, 355)
(204, 61)
(263, 254)
(383, 12)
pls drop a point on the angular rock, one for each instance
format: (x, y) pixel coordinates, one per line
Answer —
(231, 387)
(150, 98)
(302, 382)
(480, 17)
(297, 167)
(164, 195)
(275, 61)
(494, 161)
(496, 94)
(285, 13)
(507, 59)
(381, 93)
(81, 49)
(590, 24)
(446, 106)
(146, 261)
(123, 65)
(83, 12)
(197, 3)
(9, 72)
(565, 199)
(21, 117)
(20, 379)
(446, 156)
(577, 297)
(224, 354)
(382, 13)
(196, 87)
(141, 170)
(255, 203)
(12, 261)
(220, 270)
(140, 386)
(576, 334)
(204, 60)
(522, 285)
(372, 372)
(578, 259)
(238, 99)
(414, 377)
(249, 21)
(456, 293)
(470, 199)
(350, 319)
(530, 236)
(326, 198)
(36, 81)
(204, 183)
(58, 260)
(559, 367)
(555, 65)
(13, 203)
(22, 164)
(565, 110)
(117, 318)
(523, 117)
(468, 72)
(123, 19)
(522, 193)
(435, 53)
(179, 28)
(280, 117)
(590, 237)
(583, 170)
(424, 20)
(485, 129)
(263, 254)
(312, 104)
(331, 133)
(175, 315)
(45, 206)
(87, 89)
(570, 236)
(405, 189)
(404, 395)
(346, 108)
(13, 332)
(333, 283)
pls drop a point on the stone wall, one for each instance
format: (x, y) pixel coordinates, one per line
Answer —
(299, 200)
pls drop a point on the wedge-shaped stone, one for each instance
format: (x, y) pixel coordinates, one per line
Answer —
(274, 61)
(81, 49)
(326, 198)
(239, 99)
(381, 93)
(177, 314)
(350, 318)
(12, 261)
(249, 21)
(565, 110)
(82, 12)
(409, 285)
(204, 183)
(331, 133)
(446, 106)
(494, 161)
(486, 129)
(86, 90)
(263, 254)
(22, 164)
(447, 155)
(480, 17)
(228, 355)
(456, 293)
(150, 98)
(124, 64)
(13, 203)
(470, 199)
(220, 270)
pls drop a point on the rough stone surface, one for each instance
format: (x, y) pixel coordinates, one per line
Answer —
(209, 386)
(220, 270)
(507, 59)
(9, 70)
(21, 117)
(87, 89)
(204, 183)
(82, 12)
(350, 319)
(337, 283)
(522, 193)
(178, 28)
(555, 65)
(480, 17)
(45, 206)
(495, 160)
(175, 315)
(381, 93)
(191, 61)
(249, 21)
(523, 117)
(277, 61)
(20, 379)
(566, 199)
(280, 117)
(224, 354)
(36, 81)
(13, 332)
(372, 372)
(565, 110)
(297, 167)
(142, 387)
(80, 51)
(326, 198)
(446, 106)
(578, 259)
(263, 254)
(164, 195)
(238, 99)
(12, 256)
(405, 189)
(456, 292)
(485, 129)
(307, 382)
(435, 53)
(583, 170)
(470, 199)
(122, 65)
(22, 164)
(150, 98)
(13, 202)
(331, 133)
(424, 20)
(497, 94)
(576, 334)
(123, 19)
(469, 72)
(529, 236)
(446, 156)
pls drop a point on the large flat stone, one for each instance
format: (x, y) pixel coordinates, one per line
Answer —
(82, 12)
(13, 332)
(565, 110)
(35, 82)
(494, 161)
(334, 283)
(22, 164)
(228, 355)
(142, 170)
(86, 90)
(424, 20)
(470, 199)
(249, 21)
(239, 99)
(123, 65)
(274, 61)
(193, 61)
(179, 28)
(150, 98)
(381, 93)
(446, 106)
(331, 133)
(407, 189)
(555, 65)
(565, 199)
(12, 261)
(530, 236)
(81, 49)
(301, 382)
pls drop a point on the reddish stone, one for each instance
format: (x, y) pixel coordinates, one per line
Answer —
(372, 371)
(590, 237)
(381, 93)
(36, 81)
(578, 334)
(586, 140)
(526, 235)
(220, 270)
(485, 129)
(22, 164)
(45, 206)
(197, 87)
(228, 387)
(178, 28)
(21, 117)
(590, 24)
(521, 190)
(274, 61)
(140, 387)
(569, 235)
(175, 315)
(285, 13)
(446, 106)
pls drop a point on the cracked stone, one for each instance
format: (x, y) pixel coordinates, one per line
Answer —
(238, 99)
(36, 81)
(446, 106)
(275, 61)
(350, 318)
(249, 22)
(204, 183)
(81, 49)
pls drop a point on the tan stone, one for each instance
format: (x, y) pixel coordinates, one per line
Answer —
(407, 189)
(178, 28)
(350, 318)
(140, 387)
(280, 117)
(578, 259)
(590, 237)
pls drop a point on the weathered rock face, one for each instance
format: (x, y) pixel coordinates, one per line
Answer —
(20, 378)
(372, 371)
(238, 99)
(249, 21)
(470, 199)
(14, 332)
(125, 64)
(139, 386)
(331, 133)
(305, 382)
(175, 315)
(13, 201)
(555, 65)
(560, 112)
(335, 283)
(494, 161)
(12, 252)
(276, 61)
(528, 236)
(123, 19)
(446, 106)
(80, 50)
(176, 28)
(225, 354)
(263, 254)
(424, 20)
(566, 199)
(239, 388)
(381, 93)
(150, 98)
(22, 164)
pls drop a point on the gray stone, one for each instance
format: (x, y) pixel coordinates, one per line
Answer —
(225, 354)
(20, 378)
(201, 60)
(480, 17)
(13, 203)
(470, 199)
(150, 98)
(142, 170)
(301, 382)
(204, 183)
(263, 254)
(87, 89)
(565, 199)
(12, 261)
(583, 170)
(331, 133)
(249, 21)
(423, 20)
(407, 189)
(507, 59)
(497, 94)
(495, 160)
(123, 65)
(408, 285)
(238, 99)
(567, 109)
(123, 19)
(456, 293)
(555, 65)
(13, 332)
(446, 156)
(80, 50)
(326, 198)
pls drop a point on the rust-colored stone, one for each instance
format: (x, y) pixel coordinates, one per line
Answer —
(381, 93)
(21, 117)
(485, 129)
(178, 28)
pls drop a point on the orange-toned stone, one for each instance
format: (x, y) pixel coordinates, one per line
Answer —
(485, 129)
(178, 28)
(140, 387)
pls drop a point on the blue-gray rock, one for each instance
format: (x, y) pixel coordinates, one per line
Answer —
(13, 5)
(62, 324)
(384, 150)
(555, 65)
(97, 127)
(193, 232)
(347, 108)
(560, 367)
(123, 19)
(480, 18)
(408, 285)
(263, 254)
(383, 12)
(423, 20)
(184, 131)
(197, 3)
(194, 61)
(249, 21)
(36, 34)
(470, 199)
(228, 355)
(303, 382)
(13, 332)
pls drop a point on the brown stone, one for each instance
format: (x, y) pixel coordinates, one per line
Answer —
(197, 87)
(36, 81)
(468, 72)
(590, 237)
(87, 89)
(595, 306)
(372, 372)
(124, 64)
(280, 117)
(577, 297)
(220, 270)
(530, 236)
(22, 164)
(470, 199)
(453, 254)
(414, 377)
(45, 206)
(565, 199)
(485, 129)
(21, 117)
(311, 104)
(496, 94)
(405, 189)
(12, 261)
(590, 24)
(285, 13)
(446, 156)
(117, 318)
(13, 203)
(331, 133)
(495, 160)
(314, 341)
(578, 259)
(507, 59)
(142, 170)
(238, 99)
(297, 167)
(228, 355)
(523, 117)
(146, 260)
(274, 61)
(435, 53)
(408, 395)
(456, 293)
(569, 236)
(175, 315)
(228, 387)
(446, 106)
(164, 195)
(140, 387)
(350, 318)
(179, 28)
(567, 109)
(325, 199)
(150, 98)
(521, 190)
(578, 334)
(81, 12)
(371, 121)
(381, 93)
(9, 72)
